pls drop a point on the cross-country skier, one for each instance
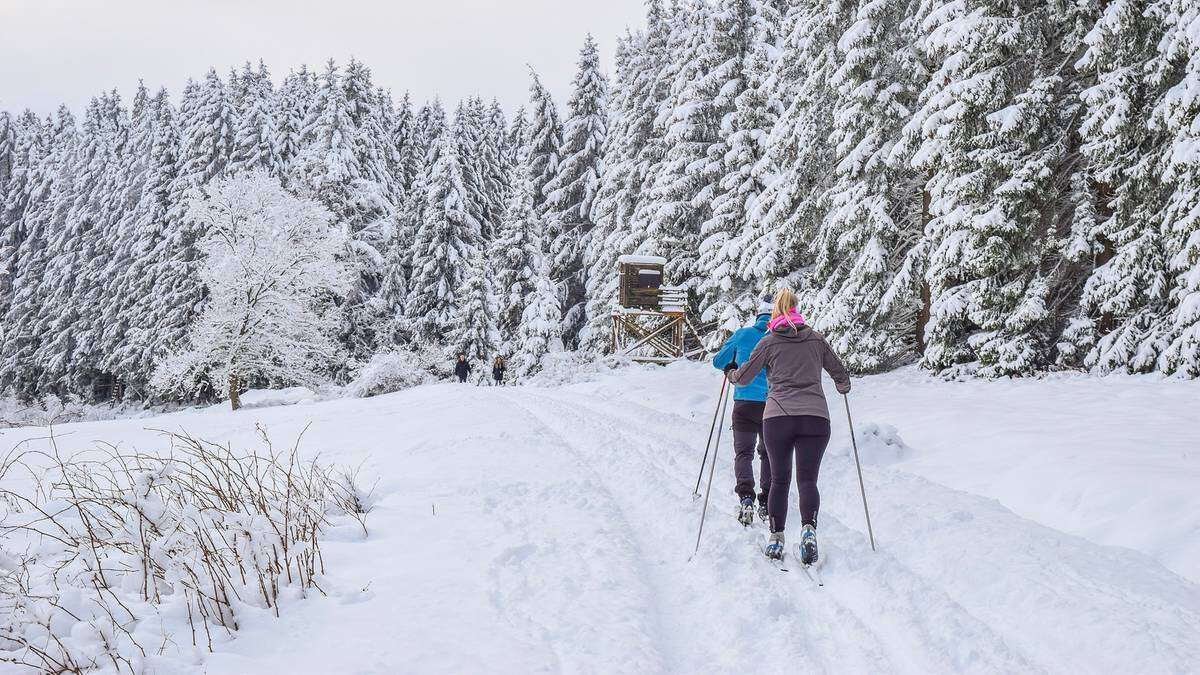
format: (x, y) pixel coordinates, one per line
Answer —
(748, 404)
(498, 369)
(796, 417)
(462, 368)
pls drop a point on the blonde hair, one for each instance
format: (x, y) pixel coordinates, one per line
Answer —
(785, 304)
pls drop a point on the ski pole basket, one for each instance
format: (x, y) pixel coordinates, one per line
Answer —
(650, 323)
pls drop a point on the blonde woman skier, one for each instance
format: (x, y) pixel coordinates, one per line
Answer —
(796, 417)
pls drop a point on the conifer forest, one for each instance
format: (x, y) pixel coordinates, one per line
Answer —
(985, 188)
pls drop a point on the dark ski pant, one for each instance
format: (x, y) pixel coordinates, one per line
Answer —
(747, 437)
(805, 438)
(462, 378)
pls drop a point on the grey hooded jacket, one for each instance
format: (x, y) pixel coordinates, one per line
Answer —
(794, 358)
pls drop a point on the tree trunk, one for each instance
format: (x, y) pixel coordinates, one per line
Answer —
(234, 401)
(923, 317)
(926, 299)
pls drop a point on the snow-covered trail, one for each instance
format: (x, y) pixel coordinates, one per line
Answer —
(549, 530)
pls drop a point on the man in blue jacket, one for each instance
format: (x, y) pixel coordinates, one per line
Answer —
(748, 404)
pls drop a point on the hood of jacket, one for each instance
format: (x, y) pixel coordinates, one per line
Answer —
(801, 333)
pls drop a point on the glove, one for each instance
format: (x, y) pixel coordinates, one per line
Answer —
(843, 390)
(732, 365)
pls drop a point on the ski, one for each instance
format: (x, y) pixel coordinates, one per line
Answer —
(813, 572)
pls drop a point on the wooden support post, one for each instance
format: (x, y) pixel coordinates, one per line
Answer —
(658, 342)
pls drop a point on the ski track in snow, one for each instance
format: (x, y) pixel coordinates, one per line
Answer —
(549, 530)
(859, 631)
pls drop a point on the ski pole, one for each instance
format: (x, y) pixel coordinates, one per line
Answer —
(862, 488)
(711, 470)
(708, 443)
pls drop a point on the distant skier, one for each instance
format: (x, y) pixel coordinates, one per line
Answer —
(748, 404)
(498, 370)
(462, 368)
(796, 417)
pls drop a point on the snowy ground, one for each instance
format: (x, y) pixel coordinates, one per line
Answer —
(1045, 526)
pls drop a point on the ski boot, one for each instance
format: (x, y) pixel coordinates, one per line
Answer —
(808, 545)
(746, 513)
(762, 512)
(774, 549)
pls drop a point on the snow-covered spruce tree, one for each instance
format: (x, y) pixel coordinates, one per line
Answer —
(393, 327)
(120, 191)
(38, 191)
(445, 242)
(544, 139)
(570, 195)
(634, 147)
(133, 357)
(748, 28)
(1178, 115)
(473, 318)
(1117, 230)
(384, 153)
(874, 203)
(517, 137)
(20, 143)
(993, 128)
(430, 124)
(292, 107)
(468, 134)
(8, 146)
(540, 332)
(73, 317)
(272, 263)
(417, 159)
(9, 233)
(776, 242)
(498, 164)
(517, 252)
(599, 258)
(406, 162)
(123, 189)
(330, 167)
(256, 134)
(206, 138)
(209, 128)
(402, 139)
(680, 185)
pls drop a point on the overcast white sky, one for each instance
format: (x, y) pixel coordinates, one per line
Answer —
(66, 51)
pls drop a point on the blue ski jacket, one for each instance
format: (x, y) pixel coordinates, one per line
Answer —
(737, 350)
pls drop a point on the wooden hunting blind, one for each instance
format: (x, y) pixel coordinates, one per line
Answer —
(641, 281)
(650, 322)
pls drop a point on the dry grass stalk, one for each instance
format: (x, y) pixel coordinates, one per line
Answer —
(102, 540)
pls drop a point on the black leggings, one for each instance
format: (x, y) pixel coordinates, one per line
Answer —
(805, 436)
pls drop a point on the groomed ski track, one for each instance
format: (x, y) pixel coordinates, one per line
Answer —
(549, 530)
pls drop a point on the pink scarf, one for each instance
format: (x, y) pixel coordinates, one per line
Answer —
(792, 319)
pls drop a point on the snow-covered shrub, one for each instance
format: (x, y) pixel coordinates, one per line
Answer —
(51, 410)
(119, 560)
(881, 444)
(561, 368)
(390, 371)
